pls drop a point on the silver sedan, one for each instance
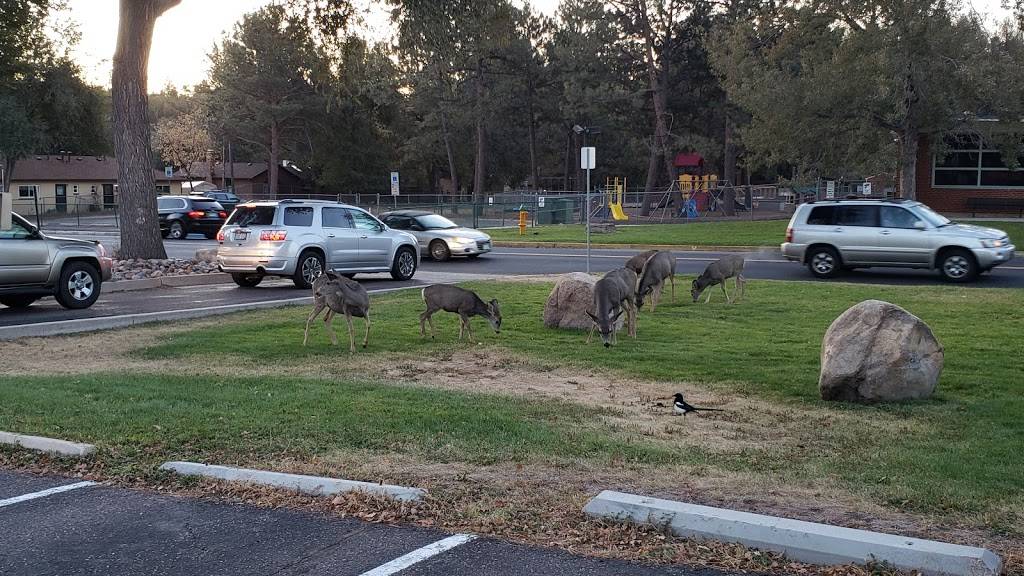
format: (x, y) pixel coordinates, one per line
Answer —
(438, 237)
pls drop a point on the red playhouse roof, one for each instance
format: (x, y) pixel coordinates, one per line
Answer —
(688, 160)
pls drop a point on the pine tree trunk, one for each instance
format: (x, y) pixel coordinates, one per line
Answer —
(652, 179)
(275, 160)
(532, 126)
(449, 152)
(140, 227)
(908, 163)
(481, 136)
(568, 159)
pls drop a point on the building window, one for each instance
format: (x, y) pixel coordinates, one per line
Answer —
(26, 191)
(162, 190)
(969, 163)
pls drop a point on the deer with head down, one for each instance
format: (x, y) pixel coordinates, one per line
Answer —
(613, 295)
(730, 266)
(659, 267)
(339, 294)
(463, 302)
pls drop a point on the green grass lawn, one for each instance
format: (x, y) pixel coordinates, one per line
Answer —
(753, 233)
(733, 233)
(958, 452)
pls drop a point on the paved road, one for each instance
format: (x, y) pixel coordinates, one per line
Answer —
(97, 530)
(768, 264)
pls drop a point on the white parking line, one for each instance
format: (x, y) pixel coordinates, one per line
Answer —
(44, 493)
(430, 550)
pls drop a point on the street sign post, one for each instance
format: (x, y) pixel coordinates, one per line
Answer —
(865, 189)
(394, 187)
(588, 160)
(168, 171)
(830, 189)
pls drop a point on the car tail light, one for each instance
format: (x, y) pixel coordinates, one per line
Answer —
(222, 214)
(273, 235)
(220, 235)
(789, 234)
(196, 214)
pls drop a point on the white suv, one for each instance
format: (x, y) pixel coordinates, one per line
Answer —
(299, 239)
(833, 235)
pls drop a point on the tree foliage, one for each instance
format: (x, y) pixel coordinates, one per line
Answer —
(183, 140)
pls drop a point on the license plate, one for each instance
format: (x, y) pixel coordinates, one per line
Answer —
(240, 235)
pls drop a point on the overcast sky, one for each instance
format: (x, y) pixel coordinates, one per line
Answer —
(185, 34)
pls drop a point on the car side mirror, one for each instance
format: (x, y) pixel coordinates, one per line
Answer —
(33, 234)
(920, 225)
(416, 228)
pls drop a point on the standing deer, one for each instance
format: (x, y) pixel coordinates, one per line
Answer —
(659, 267)
(613, 295)
(636, 263)
(339, 295)
(463, 302)
(717, 272)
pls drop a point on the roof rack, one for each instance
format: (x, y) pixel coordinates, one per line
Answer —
(840, 200)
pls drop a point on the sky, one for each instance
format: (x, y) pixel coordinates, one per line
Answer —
(185, 34)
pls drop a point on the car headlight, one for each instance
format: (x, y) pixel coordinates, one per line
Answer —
(461, 240)
(993, 243)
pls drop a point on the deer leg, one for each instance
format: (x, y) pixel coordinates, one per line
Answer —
(330, 330)
(425, 317)
(726, 292)
(741, 283)
(462, 327)
(469, 329)
(672, 279)
(366, 337)
(316, 312)
(708, 299)
(656, 296)
(351, 338)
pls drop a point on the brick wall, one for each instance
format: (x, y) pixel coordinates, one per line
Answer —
(950, 200)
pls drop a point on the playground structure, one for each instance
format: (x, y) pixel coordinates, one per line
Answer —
(610, 205)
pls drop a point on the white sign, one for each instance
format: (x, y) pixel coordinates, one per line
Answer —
(588, 158)
(490, 200)
(169, 171)
(394, 183)
(540, 202)
(865, 189)
(830, 189)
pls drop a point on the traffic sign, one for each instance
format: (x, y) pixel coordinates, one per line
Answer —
(394, 183)
(588, 158)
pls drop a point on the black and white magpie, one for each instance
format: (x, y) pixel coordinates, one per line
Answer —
(682, 407)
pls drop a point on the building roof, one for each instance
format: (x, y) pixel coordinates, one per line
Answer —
(71, 169)
(688, 160)
(243, 170)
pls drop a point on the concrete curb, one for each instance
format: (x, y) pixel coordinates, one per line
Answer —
(314, 485)
(168, 282)
(673, 247)
(798, 540)
(49, 445)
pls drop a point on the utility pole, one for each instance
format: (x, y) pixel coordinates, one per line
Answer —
(588, 156)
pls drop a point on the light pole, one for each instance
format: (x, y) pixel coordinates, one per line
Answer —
(587, 162)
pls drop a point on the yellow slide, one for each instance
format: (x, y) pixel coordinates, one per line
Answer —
(617, 212)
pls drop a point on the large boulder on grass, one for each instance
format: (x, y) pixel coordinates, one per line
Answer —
(879, 352)
(569, 301)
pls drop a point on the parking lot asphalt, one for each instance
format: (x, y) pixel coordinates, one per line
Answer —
(100, 530)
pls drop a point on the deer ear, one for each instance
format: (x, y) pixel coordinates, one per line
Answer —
(494, 306)
(592, 317)
(617, 315)
(331, 274)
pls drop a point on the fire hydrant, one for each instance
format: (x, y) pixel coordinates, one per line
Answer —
(523, 215)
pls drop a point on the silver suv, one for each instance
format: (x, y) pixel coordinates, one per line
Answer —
(299, 239)
(833, 235)
(33, 265)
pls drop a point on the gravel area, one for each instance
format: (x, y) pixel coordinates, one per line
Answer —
(139, 269)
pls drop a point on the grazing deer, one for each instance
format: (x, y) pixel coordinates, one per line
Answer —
(463, 302)
(717, 272)
(636, 263)
(613, 295)
(339, 295)
(659, 267)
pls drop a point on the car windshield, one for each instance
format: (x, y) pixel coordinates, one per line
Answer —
(435, 222)
(931, 216)
(252, 216)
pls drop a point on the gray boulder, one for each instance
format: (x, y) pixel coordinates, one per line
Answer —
(879, 352)
(569, 301)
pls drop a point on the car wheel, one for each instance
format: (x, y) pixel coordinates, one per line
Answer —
(439, 251)
(247, 280)
(958, 266)
(404, 265)
(176, 231)
(310, 266)
(18, 302)
(824, 262)
(79, 286)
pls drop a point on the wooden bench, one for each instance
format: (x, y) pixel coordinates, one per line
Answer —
(976, 205)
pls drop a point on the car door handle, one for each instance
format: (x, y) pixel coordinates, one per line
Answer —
(839, 229)
(330, 235)
(885, 232)
(364, 237)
